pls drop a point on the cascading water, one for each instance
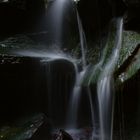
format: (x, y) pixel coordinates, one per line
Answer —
(104, 85)
(82, 40)
(55, 20)
(76, 93)
(58, 7)
(105, 88)
(75, 98)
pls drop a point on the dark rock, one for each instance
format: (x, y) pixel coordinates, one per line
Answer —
(132, 19)
(118, 7)
(44, 130)
(20, 42)
(60, 73)
(132, 16)
(63, 135)
(127, 108)
(130, 64)
(27, 84)
(27, 128)
(96, 15)
(19, 16)
(132, 3)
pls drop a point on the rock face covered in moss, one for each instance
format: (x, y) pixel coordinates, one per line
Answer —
(34, 41)
(129, 63)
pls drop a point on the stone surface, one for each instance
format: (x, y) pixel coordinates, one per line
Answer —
(44, 130)
(130, 44)
(84, 133)
(28, 84)
(128, 64)
(62, 135)
(26, 128)
(33, 41)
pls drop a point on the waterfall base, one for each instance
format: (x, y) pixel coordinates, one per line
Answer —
(75, 134)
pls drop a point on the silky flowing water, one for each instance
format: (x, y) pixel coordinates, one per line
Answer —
(83, 42)
(74, 101)
(105, 89)
(52, 55)
(105, 84)
(55, 20)
(76, 93)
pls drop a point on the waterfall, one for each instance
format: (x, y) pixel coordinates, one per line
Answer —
(76, 93)
(105, 85)
(105, 89)
(82, 40)
(74, 100)
(55, 16)
(55, 19)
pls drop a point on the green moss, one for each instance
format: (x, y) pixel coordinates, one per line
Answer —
(131, 70)
(130, 42)
(16, 43)
(96, 69)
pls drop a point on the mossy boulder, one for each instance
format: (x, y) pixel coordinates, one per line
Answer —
(129, 60)
(128, 63)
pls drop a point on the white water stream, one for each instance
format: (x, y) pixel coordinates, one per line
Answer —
(105, 89)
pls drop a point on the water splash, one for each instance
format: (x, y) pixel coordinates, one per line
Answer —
(52, 54)
(105, 89)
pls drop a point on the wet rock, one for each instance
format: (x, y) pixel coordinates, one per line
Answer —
(131, 65)
(128, 105)
(26, 129)
(95, 70)
(63, 135)
(13, 44)
(60, 74)
(44, 131)
(128, 64)
(129, 49)
(27, 84)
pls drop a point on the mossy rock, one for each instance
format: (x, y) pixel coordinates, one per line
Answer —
(21, 130)
(130, 48)
(95, 69)
(129, 60)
